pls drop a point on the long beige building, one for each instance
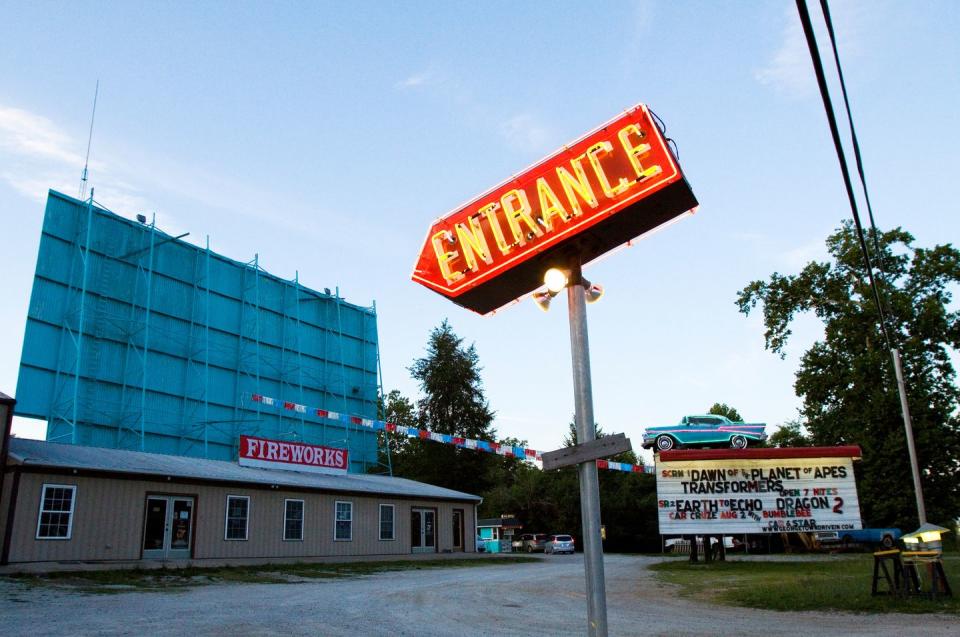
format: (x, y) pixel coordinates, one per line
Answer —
(65, 503)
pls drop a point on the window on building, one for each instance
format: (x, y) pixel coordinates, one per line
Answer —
(386, 522)
(238, 517)
(344, 521)
(55, 521)
(293, 520)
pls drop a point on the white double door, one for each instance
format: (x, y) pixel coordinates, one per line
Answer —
(168, 527)
(423, 530)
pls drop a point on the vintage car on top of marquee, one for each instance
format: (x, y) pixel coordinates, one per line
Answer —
(704, 431)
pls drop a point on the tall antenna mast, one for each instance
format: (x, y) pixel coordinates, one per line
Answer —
(86, 162)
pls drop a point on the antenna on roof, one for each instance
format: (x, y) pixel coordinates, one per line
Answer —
(86, 162)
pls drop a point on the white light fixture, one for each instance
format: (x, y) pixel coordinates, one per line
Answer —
(556, 279)
(542, 299)
(926, 538)
(592, 291)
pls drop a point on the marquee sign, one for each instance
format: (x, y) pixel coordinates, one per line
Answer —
(612, 185)
(292, 456)
(757, 490)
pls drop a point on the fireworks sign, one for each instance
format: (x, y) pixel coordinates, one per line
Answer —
(292, 456)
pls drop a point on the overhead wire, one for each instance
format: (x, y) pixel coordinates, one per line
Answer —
(853, 136)
(831, 118)
(838, 145)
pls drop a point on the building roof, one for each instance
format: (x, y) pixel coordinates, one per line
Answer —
(505, 523)
(38, 453)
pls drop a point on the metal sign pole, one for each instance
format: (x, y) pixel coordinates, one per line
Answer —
(589, 482)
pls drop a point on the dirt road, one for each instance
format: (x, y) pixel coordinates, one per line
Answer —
(546, 598)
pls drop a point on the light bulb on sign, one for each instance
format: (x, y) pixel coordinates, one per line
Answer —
(555, 279)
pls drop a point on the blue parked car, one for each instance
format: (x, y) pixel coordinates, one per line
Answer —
(704, 431)
(887, 538)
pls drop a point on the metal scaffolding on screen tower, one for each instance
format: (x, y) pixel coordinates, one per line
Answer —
(139, 340)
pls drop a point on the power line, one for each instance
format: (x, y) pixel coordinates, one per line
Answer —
(835, 132)
(831, 118)
(853, 134)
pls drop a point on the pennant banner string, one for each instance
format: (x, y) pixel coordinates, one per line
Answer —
(508, 451)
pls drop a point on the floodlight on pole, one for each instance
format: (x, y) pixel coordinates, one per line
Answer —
(557, 279)
(593, 292)
(542, 299)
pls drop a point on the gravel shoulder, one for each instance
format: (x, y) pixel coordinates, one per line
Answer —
(543, 598)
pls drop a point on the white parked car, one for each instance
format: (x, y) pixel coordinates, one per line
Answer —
(559, 544)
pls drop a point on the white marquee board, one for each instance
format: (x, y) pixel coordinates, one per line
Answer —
(771, 495)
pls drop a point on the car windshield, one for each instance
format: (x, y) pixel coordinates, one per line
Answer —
(562, 538)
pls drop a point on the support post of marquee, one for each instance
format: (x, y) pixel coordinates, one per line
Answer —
(587, 471)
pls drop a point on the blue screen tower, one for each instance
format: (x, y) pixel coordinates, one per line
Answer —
(139, 340)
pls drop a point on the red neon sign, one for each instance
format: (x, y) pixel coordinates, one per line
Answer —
(612, 185)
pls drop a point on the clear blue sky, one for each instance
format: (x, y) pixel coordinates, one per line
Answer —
(327, 136)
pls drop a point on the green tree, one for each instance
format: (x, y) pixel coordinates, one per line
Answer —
(790, 434)
(722, 409)
(846, 379)
(572, 438)
(452, 403)
(397, 409)
(627, 501)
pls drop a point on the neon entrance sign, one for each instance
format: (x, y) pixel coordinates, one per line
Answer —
(612, 185)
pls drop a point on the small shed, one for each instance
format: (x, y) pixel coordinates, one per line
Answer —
(496, 534)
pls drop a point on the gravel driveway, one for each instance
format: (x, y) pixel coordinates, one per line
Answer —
(544, 598)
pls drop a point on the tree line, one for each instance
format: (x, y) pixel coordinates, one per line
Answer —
(453, 402)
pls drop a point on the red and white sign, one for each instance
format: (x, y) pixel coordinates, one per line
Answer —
(292, 456)
(614, 184)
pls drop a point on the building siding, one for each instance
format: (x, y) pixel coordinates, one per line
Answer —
(109, 518)
(8, 481)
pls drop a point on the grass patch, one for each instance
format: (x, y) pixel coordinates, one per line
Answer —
(163, 579)
(842, 584)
